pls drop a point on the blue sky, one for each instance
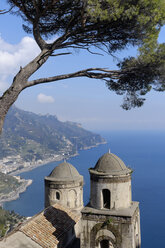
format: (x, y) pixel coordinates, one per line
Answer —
(86, 101)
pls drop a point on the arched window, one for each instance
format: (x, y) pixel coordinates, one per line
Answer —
(106, 198)
(104, 243)
(57, 195)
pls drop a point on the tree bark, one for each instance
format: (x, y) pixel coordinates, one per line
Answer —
(20, 82)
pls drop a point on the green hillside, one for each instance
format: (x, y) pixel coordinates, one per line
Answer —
(36, 137)
(8, 220)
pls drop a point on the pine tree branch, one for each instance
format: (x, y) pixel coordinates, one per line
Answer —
(94, 73)
(5, 11)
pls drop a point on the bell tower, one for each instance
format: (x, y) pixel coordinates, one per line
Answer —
(64, 185)
(111, 219)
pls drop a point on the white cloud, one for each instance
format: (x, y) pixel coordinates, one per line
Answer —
(3, 86)
(12, 56)
(45, 99)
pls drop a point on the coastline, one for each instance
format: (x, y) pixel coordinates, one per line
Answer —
(50, 160)
(37, 164)
(90, 147)
(25, 183)
(13, 195)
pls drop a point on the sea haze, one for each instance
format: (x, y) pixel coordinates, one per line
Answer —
(143, 151)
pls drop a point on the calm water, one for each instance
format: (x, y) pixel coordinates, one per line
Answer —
(144, 152)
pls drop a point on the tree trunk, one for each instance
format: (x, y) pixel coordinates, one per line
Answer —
(20, 82)
(6, 101)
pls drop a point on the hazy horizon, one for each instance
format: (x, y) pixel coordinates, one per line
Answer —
(82, 100)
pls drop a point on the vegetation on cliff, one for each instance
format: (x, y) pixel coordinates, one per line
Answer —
(8, 183)
(36, 137)
(8, 220)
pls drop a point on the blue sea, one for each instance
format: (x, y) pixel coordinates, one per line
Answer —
(143, 151)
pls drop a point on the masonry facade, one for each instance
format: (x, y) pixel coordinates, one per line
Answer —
(110, 220)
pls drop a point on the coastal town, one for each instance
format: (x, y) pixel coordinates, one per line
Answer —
(15, 164)
(30, 140)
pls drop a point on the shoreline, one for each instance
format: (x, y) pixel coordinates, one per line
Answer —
(27, 182)
(36, 165)
(13, 195)
(50, 160)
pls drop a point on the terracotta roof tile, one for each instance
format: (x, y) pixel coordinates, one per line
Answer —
(48, 227)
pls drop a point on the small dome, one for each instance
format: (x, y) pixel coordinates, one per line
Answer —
(65, 172)
(109, 163)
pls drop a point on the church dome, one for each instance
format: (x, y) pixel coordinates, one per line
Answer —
(111, 164)
(65, 172)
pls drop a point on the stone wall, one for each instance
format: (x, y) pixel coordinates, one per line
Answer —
(119, 231)
(119, 188)
(68, 194)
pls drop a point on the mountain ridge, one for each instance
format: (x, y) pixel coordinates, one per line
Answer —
(29, 137)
